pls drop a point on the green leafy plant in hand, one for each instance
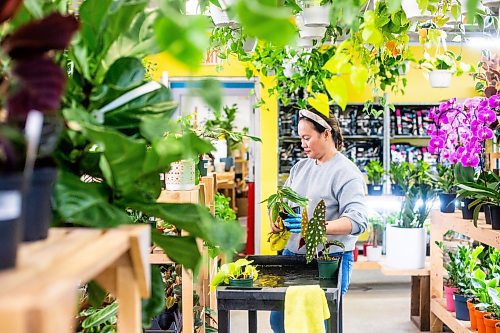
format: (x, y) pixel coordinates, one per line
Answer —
(240, 269)
(374, 171)
(280, 203)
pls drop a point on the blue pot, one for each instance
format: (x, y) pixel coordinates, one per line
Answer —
(461, 309)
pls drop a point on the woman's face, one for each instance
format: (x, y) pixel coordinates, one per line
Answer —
(315, 144)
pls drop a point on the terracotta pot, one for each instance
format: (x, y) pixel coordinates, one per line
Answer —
(472, 311)
(490, 324)
(480, 320)
(450, 303)
(497, 327)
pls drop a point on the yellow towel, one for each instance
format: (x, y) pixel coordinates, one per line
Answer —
(306, 309)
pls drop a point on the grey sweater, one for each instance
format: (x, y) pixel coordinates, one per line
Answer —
(340, 183)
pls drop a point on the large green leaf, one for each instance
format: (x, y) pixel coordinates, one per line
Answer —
(266, 22)
(154, 305)
(182, 250)
(122, 158)
(96, 294)
(125, 73)
(471, 9)
(92, 16)
(184, 37)
(86, 203)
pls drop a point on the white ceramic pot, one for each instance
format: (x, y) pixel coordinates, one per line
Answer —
(316, 16)
(309, 32)
(413, 13)
(373, 253)
(220, 17)
(404, 70)
(305, 43)
(249, 44)
(181, 176)
(491, 3)
(405, 247)
(440, 78)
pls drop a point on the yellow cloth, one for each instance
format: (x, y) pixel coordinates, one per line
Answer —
(306, 309)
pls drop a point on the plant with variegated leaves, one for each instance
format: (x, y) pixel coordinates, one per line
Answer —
(314, 234)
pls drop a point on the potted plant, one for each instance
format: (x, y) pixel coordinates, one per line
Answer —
(406, 240)
(484, 192)
(375, 172)
(493, 319)
(399, 175)
(238, 274)
(373, 251)
(488, 74)
(315, 13)
(444, 181)
(282, 202)
(219, 13)
(481, 283)
(441, 68)
(453, 276)
(314, 234)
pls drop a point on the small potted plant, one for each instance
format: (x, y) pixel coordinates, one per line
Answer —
(451, 282)
(493, 319)
(238, 274)
(316, 13)
(444, 181)
(399, 173)
(280, 203)
(374, 171)
(373, 251)
(442, 67)
(481, 282)
(314, 234)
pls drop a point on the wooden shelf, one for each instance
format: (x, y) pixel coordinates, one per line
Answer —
(363, 264)
(440, 224)
(483, 233)
(39, 295)
(438, 307)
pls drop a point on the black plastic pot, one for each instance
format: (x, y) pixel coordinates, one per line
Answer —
(495, 217)
(467, 213)
(487, 213)
(202, 167)
(397, 190)
(461, 310)
(36, 208)
(374, 189)
(10, 219)
(447, 201)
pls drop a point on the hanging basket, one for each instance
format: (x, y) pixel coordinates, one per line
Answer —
(220, 17)
(316, 16)
(413, 13)
(309, 32)
(305, 43)
(440, 78)
(181, 176)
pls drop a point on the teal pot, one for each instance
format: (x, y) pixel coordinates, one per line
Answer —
(397, 190)
(447, 201)
(495, 217)
(37, 211)
(328, 269)
(461, 310)
(241, 283)
(375, 189)
(10, 219)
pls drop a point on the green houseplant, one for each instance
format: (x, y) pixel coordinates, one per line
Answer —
(282, 202)
(239, 273)
(399, 174)
(374, 172)
(314, 234)
(442, 66)
(444, 181)
(373, 251)
(452, 268)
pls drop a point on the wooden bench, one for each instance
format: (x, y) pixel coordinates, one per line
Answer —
(420, 293)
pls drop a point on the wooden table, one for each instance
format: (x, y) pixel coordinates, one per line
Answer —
(40, 294)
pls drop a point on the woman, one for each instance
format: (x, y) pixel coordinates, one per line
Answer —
(326, 174)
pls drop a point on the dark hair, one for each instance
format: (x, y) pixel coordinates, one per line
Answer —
(337, 137)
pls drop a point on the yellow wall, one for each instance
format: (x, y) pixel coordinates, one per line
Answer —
(418, 90)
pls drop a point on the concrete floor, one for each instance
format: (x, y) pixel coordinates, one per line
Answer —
(374, 303)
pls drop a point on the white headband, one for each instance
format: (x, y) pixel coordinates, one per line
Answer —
(314, 117)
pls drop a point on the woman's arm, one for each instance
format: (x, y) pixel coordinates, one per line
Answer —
(340, 226)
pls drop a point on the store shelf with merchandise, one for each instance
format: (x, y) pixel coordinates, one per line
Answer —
(441, 223)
